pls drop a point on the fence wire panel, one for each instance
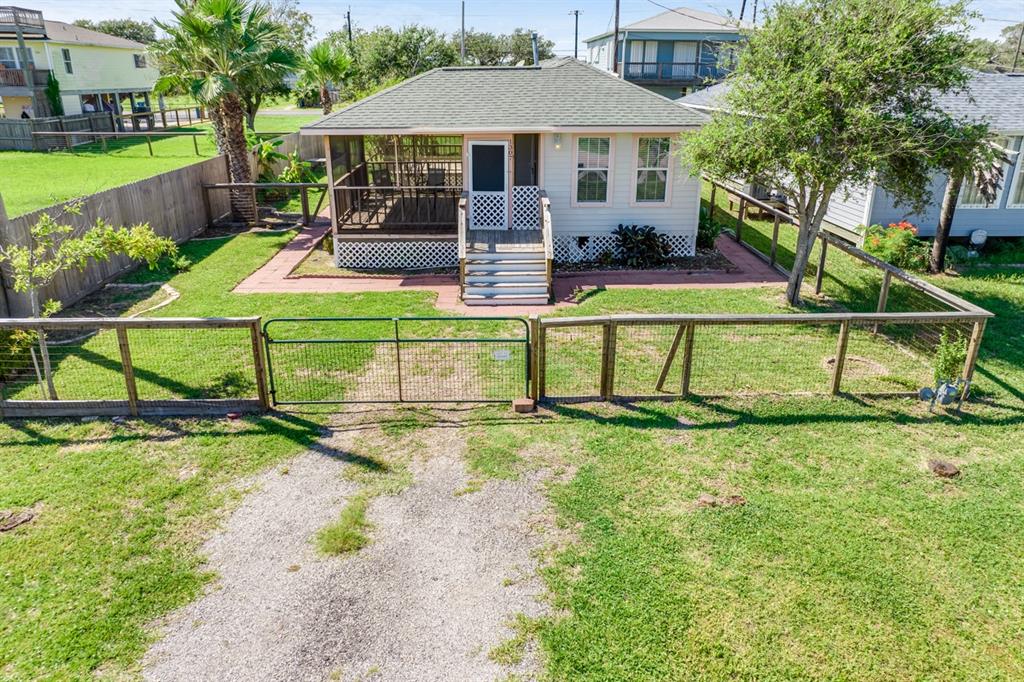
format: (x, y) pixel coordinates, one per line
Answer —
(572, 357)
(335, 360)
(762, 358)
(193, 364)
(85, 364)
(641, 352)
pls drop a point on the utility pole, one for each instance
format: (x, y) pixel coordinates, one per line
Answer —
(1016, 55)
(348, 22)
(615, 42)
(576, 34)
(462, 39)
(743, 9)
(754, 19)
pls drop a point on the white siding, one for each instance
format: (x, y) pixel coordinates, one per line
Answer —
(95, 69)
(679, 217)
(846, 209)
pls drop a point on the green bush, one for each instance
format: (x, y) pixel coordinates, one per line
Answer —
(641, 247)
(707, 230)
(897, 244)
(950, 356)
(15, 352)
(297, 170)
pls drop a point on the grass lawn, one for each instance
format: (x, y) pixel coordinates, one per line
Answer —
(849, 559)
(34, 180)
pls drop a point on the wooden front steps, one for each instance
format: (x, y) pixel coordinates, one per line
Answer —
(506, 278)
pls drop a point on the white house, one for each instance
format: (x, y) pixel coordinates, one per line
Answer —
(993, 98)
(502, 170)
(95, 71)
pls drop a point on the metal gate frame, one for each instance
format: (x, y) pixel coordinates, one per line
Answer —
(397, 340)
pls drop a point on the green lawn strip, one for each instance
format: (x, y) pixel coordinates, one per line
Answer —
(29, 176)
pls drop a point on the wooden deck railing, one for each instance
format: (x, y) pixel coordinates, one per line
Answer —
(379, 206)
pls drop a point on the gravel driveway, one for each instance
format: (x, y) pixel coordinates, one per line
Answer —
(427, 599)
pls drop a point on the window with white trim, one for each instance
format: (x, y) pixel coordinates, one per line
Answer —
(652, 167)
(1016, 199)
(593, 165)
(140, 61)
(65, 54)
(8, 58)
(970, 196)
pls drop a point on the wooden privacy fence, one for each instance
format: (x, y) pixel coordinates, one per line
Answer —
(172, 203)
(19, 133)
(52, 367)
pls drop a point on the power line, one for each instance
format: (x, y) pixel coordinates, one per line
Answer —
(687, 14)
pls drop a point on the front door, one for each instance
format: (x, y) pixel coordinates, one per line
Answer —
(488, 185)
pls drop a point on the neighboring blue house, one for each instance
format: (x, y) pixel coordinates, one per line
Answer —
(672, 53)
(995, 98)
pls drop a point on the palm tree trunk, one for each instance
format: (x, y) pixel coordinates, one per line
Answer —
(325, 99)
(217, 120)
(239, 161)
(937, 262)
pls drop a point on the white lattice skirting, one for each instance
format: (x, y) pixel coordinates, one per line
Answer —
(577, 248)
(396, 255)
(526, 207)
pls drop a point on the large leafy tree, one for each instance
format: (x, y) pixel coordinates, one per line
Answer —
(139, 31)
(830, 94)
(215, 50)
(505, 49)
(384, 55)
(325, 64)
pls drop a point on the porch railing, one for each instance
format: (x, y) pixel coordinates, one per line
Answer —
(548, 237)
(673, 71)
(463, 238)
(379, 206)
(16, 77)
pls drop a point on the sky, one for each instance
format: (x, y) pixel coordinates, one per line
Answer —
(551, 18)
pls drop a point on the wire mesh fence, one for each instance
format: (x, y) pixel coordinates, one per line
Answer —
(340, 360)
(131, 366)
(664, 356)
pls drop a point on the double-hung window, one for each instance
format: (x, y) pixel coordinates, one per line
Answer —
(1016, 184)
(652, 169)
(593, 169)
(65, 54)
(970, 196)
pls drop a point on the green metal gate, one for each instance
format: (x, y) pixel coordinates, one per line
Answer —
(397, 359)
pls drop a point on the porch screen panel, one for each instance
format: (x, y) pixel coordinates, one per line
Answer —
(652, 169)
(593, 155)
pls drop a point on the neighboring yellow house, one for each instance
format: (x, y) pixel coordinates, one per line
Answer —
(96, 71)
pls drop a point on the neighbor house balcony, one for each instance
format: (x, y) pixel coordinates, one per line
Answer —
(674, 73)
(18, 19)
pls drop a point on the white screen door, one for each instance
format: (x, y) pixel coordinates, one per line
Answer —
(488, 185)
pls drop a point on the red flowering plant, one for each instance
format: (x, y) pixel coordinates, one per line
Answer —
(897, 244)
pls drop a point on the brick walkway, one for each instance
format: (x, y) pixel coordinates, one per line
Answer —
(273, 278)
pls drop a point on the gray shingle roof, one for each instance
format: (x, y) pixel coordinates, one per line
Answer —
(683, 19)
(993, 98)
(558, 94)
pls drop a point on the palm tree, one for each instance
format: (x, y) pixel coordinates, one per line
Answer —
(324, 64)
(214, 47)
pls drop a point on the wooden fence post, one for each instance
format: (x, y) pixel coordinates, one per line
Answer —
(195, 144)
(149, 143)
(739, 219)
(541, 359)
(840, 359)
(973, 347)
(305, 206)
(684, 384)
(163, 117)
(129, 371)
(207, 209)
(775, 241)
(821, 265)
(255, 337)
(883, 297)
(608, 343)
(711, 211)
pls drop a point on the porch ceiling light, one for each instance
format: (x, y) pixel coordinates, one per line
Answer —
(558, 140)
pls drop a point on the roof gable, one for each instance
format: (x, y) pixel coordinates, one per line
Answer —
(683, 19)
(61, 32)
(558, 94)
